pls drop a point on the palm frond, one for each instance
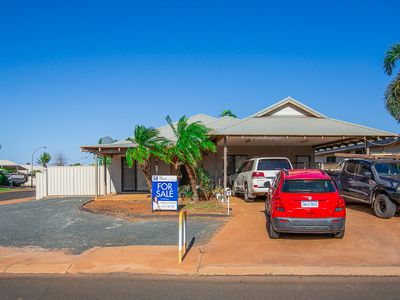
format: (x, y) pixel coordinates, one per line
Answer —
(391, 57)
(392, 98)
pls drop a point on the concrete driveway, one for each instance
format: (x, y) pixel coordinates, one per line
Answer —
(243, 244)
(59, 224)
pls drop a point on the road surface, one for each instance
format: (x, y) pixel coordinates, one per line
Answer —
(17, 195)
(185, 287)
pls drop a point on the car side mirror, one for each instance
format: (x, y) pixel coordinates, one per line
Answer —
(268, 184)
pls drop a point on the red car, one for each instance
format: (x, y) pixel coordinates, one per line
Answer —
(304, 201)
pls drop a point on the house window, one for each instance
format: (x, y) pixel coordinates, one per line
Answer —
(331, 159)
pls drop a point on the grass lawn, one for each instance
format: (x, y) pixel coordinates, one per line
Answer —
(5, 189)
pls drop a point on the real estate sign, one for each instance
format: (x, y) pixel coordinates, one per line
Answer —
(164, 192)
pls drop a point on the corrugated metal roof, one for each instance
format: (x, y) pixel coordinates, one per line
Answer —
(265, 123)
(299, 126)
(166, 131)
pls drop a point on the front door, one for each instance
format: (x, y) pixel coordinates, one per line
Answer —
(132, 178)
(303, 161)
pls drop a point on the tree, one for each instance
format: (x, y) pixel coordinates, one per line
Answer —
(192, 140)
(392, 93)
(44, 159)
(60, 159)
(148, 143)
(228, 112)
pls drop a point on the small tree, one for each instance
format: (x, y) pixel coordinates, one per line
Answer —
(44, 159)
(60, 159)
(147, 143)
(228, 112)
(192, 140)
(392, 93)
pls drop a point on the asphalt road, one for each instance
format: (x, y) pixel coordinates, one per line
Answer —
(17, 195)
(145, 287)
(59, 224)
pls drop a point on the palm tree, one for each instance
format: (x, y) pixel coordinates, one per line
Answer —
(147, 142)
(44, 159)
(392, 93)
(192, 140)
(228, 112)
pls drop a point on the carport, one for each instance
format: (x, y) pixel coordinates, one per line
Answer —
(290, 129)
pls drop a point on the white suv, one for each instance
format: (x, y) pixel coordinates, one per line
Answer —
(253, 175)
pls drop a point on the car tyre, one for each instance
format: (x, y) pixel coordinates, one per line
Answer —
(383, 207)
(339, 235)
(246, 195)
(271, 231)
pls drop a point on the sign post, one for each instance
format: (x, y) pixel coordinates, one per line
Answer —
(164, 192)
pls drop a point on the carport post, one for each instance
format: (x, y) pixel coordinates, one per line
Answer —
(96, 175)
(225, 163)
(105, 174)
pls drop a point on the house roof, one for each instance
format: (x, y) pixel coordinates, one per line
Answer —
(10, 164)
(299, 126)
(287, 117)
(166, 131)
(298, 120)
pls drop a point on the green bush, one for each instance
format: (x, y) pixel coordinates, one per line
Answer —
(3, 178)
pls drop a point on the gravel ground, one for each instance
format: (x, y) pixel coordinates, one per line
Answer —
(59, 224)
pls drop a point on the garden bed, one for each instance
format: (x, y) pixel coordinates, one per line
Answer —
(142, 208)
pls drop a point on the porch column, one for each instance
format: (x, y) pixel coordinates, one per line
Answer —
(225, 162)
(105, 174)
(367, 152)
(96, 175)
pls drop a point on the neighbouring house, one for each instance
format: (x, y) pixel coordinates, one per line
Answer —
(329, 155)
(12, 166)
(287, 128)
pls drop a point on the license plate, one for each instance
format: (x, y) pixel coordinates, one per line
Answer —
(311, 204)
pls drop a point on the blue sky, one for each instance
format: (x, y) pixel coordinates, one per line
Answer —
(73, 71)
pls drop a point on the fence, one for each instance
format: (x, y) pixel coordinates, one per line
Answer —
(71, 181)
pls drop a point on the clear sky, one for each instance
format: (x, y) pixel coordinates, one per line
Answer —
(73, 71)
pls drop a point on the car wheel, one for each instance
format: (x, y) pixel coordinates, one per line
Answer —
(339, 235)
(383, 207)
(271, 231)
(246, 194)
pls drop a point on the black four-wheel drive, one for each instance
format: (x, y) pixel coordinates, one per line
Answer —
(371, 181)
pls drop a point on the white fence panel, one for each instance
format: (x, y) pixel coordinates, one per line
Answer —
(71, 181)
(41, 178)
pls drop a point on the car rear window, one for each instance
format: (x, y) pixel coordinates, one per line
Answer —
(308, 186)
(273, 164)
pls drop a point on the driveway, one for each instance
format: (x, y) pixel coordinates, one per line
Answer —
(243, 243)
(59, 224)
(17, 195)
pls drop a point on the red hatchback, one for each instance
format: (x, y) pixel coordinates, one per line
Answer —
(304, 201)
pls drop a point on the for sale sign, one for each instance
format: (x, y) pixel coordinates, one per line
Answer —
(164, 192)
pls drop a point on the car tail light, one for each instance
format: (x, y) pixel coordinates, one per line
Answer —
(340, 204)
(279, 205)
(257, 175)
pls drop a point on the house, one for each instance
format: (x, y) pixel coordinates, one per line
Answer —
(329, 156)
(287, 128)
(10, 165)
